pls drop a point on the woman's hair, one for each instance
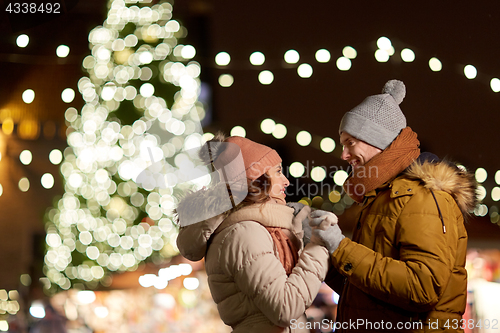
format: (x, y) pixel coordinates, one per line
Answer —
(258, 189)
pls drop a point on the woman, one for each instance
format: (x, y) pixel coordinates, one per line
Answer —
(260, 275)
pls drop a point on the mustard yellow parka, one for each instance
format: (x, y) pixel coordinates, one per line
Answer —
(404, 267)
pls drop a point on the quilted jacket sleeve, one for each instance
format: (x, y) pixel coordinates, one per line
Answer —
(416, 280)
(261, 277)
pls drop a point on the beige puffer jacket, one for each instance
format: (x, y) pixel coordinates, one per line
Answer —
(246, 278)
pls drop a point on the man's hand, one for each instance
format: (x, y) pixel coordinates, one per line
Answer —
(329, 238)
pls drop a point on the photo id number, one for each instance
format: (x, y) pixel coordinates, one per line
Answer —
(33, 8)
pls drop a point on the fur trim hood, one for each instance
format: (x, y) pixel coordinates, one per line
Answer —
(202, 205)
(445, 176)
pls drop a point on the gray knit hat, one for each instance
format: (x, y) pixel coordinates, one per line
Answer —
(378, 120)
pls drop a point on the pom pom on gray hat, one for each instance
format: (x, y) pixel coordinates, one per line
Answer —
(377, 120)
(396, 89)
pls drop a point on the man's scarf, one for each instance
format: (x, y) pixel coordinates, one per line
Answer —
(384, 166)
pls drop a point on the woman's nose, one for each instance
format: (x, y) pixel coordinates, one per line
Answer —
(287, 182)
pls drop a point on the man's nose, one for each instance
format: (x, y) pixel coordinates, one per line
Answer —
(345, 154)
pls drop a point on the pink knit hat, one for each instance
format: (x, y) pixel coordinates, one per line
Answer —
(257, 158)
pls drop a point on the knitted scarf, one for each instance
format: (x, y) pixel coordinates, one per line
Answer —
(288, 253)
(275, 218)
(384, 166)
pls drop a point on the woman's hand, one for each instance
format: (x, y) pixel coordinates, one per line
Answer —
(301, 220)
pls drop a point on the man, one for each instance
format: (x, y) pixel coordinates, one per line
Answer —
(404, 269)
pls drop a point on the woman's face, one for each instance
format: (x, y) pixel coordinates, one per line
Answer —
(278, 183)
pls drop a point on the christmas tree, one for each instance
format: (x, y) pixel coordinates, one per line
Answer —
(141, 108)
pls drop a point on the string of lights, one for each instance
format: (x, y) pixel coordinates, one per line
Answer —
(385, 50)
(327, 145)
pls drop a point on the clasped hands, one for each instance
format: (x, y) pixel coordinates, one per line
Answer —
(325, 229)
(319, 226)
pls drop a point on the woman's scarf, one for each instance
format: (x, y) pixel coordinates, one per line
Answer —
(278, 220)
(384, 166)
(287, 251)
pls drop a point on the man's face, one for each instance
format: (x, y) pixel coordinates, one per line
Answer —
(355, 151)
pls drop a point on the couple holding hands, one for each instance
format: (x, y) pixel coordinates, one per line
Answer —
(403, 269)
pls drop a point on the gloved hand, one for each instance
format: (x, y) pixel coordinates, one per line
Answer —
(322, 219)
(297, 206)
(329, 238)
(301, 220)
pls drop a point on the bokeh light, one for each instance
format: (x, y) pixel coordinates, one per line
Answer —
(68, 95)
(305, 71)
(407, 55)
(222, 59)
(37, 310)
(481, 210)
(318, 174)
(327, 145)
(62, 51)
(334, 196)
(435, 64)
(22, 40)
(349, 52)
(296, 169)
(384, 43)
(266, 77)
(495, 193)
(343, 63)
(147, 90)
(191, 283)
(26, 157)
(257, 58)
(55, 156)
(495, 84)
(267, 126)
(292, 57)
(381, 55)
(28, 96)
(226, 80)
(323, 56)
(47, 181)
(238, 131)
(279, 131)
(24, 184)
(481, 175)
(470, 72)
(303, 138)
(188, 52)
(339, 177)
